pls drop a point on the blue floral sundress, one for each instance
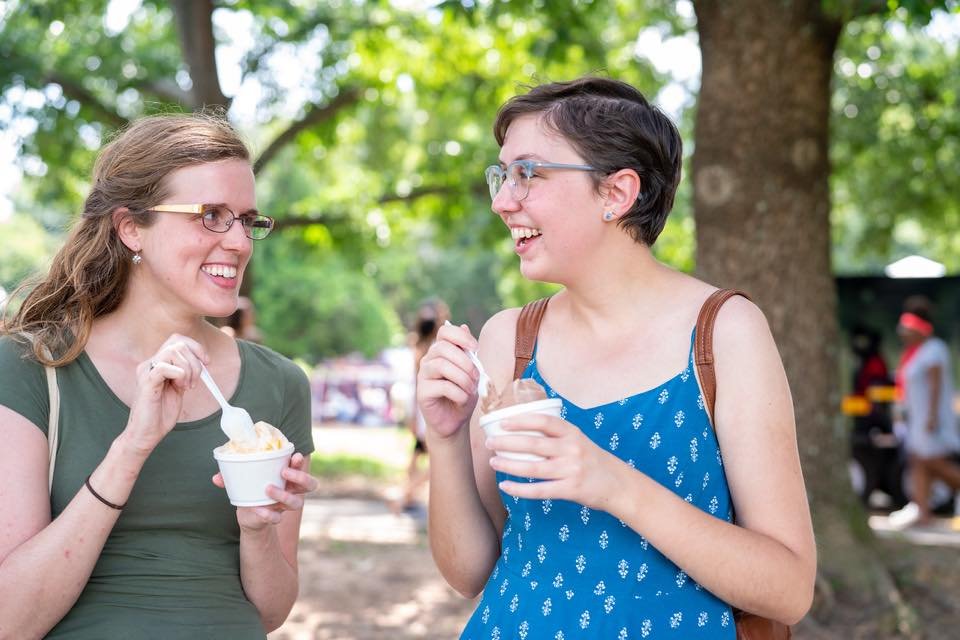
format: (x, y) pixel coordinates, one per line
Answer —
(567, 571)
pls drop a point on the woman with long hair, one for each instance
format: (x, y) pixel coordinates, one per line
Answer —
(128, 537)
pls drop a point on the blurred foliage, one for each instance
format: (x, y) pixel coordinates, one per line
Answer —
(25, 247)
(896, 145)
(382, 203)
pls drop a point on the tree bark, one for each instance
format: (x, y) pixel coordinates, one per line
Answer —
(195, 26)
(762, 204)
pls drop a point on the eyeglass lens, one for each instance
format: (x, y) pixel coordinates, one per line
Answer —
(219, 218)
(516, 177)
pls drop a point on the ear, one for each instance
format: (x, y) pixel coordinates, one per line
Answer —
(622, 190)
(127, 229)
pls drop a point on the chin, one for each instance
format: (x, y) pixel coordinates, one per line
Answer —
(537, 273)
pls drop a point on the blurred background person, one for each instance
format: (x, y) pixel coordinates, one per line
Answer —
(877, 453)
(926, 379)
(242, 323)
(430, 317)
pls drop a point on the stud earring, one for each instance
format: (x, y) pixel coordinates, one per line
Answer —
(607, 216)
(136, 259)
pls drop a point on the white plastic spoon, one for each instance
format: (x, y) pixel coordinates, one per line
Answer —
(235, 421)
(483, 384)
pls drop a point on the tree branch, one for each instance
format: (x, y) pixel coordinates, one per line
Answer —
(322, 218)
(167, 91)
(314, 116)
(73, 89)
(413, 195)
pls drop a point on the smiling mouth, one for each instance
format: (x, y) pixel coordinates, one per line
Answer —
(521, 235)
(220, 271)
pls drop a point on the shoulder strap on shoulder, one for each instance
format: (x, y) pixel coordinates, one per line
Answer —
(53, 425)
(53, 419)
(703, 347)
(528, 325)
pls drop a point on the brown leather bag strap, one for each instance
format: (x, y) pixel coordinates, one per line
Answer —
(703, 348)
(528, 326)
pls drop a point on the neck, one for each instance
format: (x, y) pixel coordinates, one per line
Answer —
(624, 284)
(140, 326)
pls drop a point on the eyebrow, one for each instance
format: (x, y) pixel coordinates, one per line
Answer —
(523, 156)
(253, 211)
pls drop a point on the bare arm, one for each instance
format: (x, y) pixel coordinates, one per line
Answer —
(466, 517)
(268, 546)
(766, 564)
(45, 565)
(934, 379)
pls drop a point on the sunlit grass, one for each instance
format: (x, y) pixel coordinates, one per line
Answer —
(341, 465)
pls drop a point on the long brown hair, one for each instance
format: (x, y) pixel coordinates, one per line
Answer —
(88, 276)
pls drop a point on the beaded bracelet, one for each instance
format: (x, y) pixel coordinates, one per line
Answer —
(118, 507)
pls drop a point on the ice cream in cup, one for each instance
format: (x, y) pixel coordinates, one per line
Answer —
(249, 467)
(521, 397)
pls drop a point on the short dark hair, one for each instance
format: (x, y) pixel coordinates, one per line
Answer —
(920, 306)
(612, 126)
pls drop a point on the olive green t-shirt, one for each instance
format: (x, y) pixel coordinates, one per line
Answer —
(170, 568)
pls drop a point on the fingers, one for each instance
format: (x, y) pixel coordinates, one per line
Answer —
(446, 360)
(156, 373)
(299, 481)
(287, 500)
(546, 424)
(531, 490)
(218, 480)
(268, 514)
(434, 389)
(529, 442)
(459, 336)
(180, 360)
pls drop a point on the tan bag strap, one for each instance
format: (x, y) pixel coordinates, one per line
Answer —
(53, 426)
(53, 418)
(528, 326)
(703, 347)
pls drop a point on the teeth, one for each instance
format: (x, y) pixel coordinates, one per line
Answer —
(523, 232)
(220, 270)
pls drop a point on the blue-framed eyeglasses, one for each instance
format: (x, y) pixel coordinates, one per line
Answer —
(219, 218)
(518, 174)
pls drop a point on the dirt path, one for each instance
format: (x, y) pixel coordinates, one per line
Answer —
(367, 574)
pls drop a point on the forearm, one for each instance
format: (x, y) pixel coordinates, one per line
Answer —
(42, 578)
(464, 541)
(269, 581)
(934, 380)
(746, 569)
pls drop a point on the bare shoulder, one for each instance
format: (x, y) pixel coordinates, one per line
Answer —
(740, 319)
(497, 339)
(742, 339)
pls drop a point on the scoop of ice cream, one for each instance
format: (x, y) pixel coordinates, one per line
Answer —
(269, 438)
(517, 392)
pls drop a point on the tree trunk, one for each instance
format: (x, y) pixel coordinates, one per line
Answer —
(762, 204)
(195, 25)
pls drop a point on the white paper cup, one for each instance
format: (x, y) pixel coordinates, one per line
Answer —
(491, 423)
(246, 475)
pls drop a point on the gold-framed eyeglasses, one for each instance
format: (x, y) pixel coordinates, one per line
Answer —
(219, 218)
(518, 174)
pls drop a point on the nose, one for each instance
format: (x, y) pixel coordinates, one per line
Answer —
(505, 202)
(235, 238)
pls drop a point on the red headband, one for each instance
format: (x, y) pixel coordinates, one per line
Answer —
(915, 323)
